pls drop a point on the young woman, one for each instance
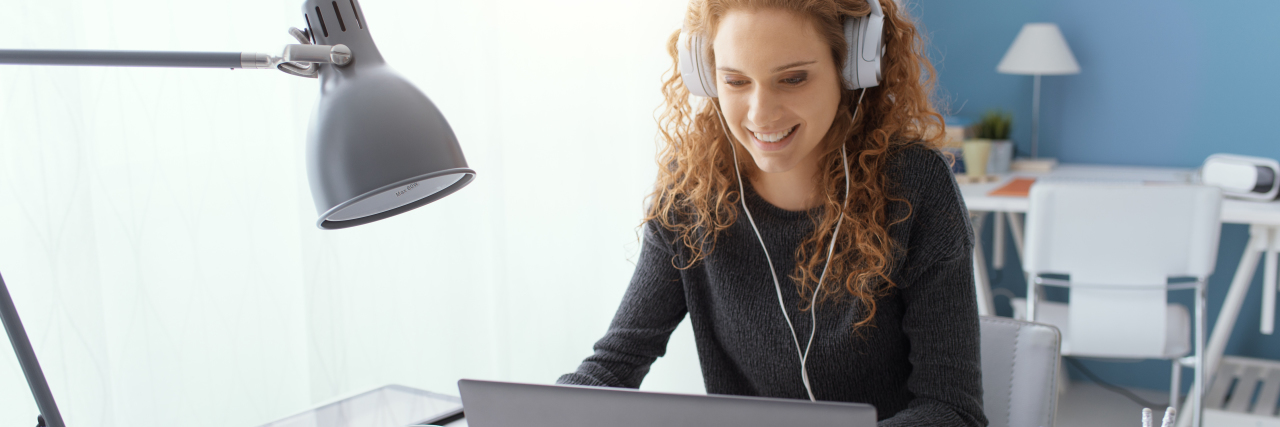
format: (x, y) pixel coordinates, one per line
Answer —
(811, 233)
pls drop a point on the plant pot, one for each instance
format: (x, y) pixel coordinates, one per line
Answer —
(977, 152)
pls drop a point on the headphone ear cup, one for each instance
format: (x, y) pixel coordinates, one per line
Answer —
(862, 61)
(696, 70)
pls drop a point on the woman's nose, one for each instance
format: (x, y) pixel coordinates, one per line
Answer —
(763, 108)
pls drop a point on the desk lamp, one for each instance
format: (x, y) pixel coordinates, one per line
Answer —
(376, 147)
(1038, 50)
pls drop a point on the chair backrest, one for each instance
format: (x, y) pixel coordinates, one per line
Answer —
(1019, 372)
(1120, 243)
(1122, 233)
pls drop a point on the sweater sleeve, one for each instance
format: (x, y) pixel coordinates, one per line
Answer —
(651, 309)
(941, 317)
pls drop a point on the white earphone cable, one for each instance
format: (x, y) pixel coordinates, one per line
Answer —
(804, 355)
(742, 198)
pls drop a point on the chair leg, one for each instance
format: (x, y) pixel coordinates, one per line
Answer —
(1175, 383)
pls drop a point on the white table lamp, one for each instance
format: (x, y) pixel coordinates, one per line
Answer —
(1039, 50)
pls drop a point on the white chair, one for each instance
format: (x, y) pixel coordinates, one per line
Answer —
(1019, 372)
(1121, 244)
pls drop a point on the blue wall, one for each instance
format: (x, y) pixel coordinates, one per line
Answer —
(1163, 83)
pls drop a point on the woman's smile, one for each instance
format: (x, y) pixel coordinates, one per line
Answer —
(773, 141)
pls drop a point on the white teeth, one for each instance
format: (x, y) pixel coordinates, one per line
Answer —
(772, 137)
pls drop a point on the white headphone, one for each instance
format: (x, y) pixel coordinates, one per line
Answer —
(861, 70)
(861, 64)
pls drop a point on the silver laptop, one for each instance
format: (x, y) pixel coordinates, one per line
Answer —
(499, 404)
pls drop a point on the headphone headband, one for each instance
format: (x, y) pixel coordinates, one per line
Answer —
(863, 36)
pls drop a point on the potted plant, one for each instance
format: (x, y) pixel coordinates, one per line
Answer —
(995, 126)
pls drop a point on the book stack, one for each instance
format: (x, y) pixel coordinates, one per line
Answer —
(957, 130)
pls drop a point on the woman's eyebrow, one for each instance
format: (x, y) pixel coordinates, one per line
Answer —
(793, 65)
(784, 67)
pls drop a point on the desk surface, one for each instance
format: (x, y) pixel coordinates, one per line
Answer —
(1233, 211)
(386, 406)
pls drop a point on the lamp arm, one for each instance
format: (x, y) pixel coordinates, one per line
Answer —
(125, 58)
(298, 59)
(296, 55)
(27, 359)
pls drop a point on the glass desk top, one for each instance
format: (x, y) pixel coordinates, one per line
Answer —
(386, 406)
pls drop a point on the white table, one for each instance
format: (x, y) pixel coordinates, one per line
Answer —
(1264, 238)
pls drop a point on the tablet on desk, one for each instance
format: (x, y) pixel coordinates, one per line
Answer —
(499, 404)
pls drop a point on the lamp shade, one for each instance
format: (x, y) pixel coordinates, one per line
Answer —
(1039, 49)
(377, 147)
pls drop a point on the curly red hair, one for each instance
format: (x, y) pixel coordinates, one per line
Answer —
(696, 194)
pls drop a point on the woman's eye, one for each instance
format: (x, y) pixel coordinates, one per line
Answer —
(793, 80)
(735, 83)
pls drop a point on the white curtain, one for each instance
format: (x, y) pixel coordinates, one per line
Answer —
(158, 237)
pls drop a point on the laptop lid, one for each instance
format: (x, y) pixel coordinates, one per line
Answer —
(499, 404)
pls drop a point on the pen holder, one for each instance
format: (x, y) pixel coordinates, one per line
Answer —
(976, 154)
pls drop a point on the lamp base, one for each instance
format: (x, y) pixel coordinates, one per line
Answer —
(1040, 165)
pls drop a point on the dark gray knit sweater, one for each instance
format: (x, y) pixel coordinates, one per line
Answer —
(919, 365)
